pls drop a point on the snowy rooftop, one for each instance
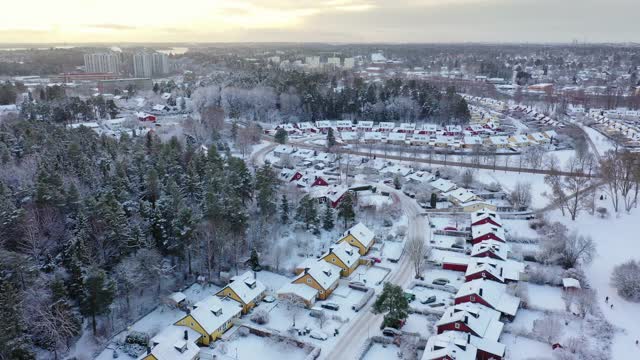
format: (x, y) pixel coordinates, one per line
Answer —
(483, 229)
(213, 311)
(571, 283)
(300, 290)
(345, 252)
(498, 248)
(323, 273)
(483, 214)
(362, 233)
(502, 270)
(495, 294)
(483, 321)
(246, 287)
(443, 185)
(170, 344)
(461, 195)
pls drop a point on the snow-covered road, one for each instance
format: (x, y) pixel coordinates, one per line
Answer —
(367, 324)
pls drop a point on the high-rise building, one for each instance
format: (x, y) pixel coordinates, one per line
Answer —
(102, 63)
(335, 61)
(160, 64)
(349, 63)
(312, 61)
(142, 65)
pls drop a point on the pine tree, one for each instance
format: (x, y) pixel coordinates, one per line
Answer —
(98, 293)
(345, 209)
(433, 200)
(331, 139)
(284, 209)
(266, 184)
(10, 321)
(239, 179)
(254, 260)
(185, 229)
(327, 219)
(234, 130)
(281, 136)
(306, 212)
(393, 304)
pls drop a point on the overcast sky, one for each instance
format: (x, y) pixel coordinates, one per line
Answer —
(319, 21)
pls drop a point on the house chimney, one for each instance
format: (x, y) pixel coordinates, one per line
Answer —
(501, 271)
(468, 338)
(306, 270)
(148, 350)
(330, 249)
(466, 319)
(480, 292)
(186, 335)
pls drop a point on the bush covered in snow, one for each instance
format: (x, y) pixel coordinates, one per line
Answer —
(260, 317)
(544, 275)
(626, 278)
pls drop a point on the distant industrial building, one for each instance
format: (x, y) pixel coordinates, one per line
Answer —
(73, 77)
(102, 63)
(110, 86)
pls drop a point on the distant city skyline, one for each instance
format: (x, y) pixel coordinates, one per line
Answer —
(408, 21)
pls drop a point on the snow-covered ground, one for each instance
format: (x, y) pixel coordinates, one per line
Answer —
(616, 241)
(255, 347)
(521, 348)
(546, 297)
(382, 352)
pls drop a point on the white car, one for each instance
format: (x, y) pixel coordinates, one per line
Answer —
(269, 299)
(318, 335)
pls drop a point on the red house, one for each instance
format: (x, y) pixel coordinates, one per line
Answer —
(490, 294)
(456, 345)
(319, 181)
(455, 263)
(494, 270)
(473, 319)
(491, 249)
(487, 232)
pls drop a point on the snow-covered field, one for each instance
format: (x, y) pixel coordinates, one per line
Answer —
(617, 242)
(256, 347)
(546, 297)
(521, 348)
(382, 352)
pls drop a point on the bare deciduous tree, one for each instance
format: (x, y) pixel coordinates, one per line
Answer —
(419, 252)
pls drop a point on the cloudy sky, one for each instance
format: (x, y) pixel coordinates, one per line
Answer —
(72, 21)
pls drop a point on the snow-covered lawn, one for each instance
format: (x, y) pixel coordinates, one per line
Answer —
(519, 229)
(616, 240)
(508, 180)
(382, 352)
(421, 324)
(545, 297)
(521, 348)
(256, 347)
(524, 319)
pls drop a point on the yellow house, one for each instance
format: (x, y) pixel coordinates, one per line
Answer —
(173, 343)
(344, 256)
(211, 318)
(245, 289)
(359, 236)
(476, 205)
(322, 276)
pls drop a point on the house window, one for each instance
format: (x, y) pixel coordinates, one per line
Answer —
(351, 241)
(308, 280)
(472, 298)
(333, 260)
(457, 326)
(484, 274)
(321, 291)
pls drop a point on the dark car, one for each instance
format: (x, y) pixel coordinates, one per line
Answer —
(330, 306)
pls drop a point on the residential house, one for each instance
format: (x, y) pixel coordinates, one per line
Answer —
(322, 276)
(488, 293)
(211, 318)
(344, 256)
(245, 289)
(484, 216)
(458, 345)
(491, 249)
(173, 343)
(474, 319)
(443, 185)
(487, 232)
(359, 236)
(495, 270)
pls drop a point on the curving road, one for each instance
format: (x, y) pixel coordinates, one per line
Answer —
(366, 323)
